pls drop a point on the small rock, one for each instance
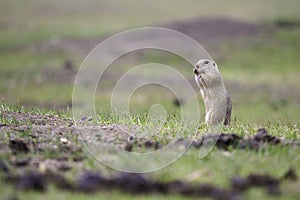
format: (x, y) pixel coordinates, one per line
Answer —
(42, 167)
(64, 140)
(18, 146)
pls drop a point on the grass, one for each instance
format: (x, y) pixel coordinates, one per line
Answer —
(274, 80)
(263, 79)
(217, 168)
(101, 17)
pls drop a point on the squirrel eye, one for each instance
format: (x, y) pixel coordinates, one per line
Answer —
(214, 64)
(206, 62)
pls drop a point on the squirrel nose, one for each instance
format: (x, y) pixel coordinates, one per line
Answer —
(196, 71)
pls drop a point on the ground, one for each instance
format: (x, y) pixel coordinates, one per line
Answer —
(42, 45)
(44, 152)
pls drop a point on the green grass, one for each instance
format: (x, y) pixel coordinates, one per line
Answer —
(216, 168)
(261, 73)
(39, 20)
(265, 65)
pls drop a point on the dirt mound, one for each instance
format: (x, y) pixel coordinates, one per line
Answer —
(215, 30)
(91, 182)
(206, 31)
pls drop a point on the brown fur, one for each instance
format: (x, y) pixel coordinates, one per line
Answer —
(216, 98)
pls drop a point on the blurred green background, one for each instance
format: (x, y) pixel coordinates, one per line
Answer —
(255, 43)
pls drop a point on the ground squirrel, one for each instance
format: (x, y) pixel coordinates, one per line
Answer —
(215, 96)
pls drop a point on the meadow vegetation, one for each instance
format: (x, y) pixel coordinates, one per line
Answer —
(42, 44)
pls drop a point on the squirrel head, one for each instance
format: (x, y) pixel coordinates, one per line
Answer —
(205, 66)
